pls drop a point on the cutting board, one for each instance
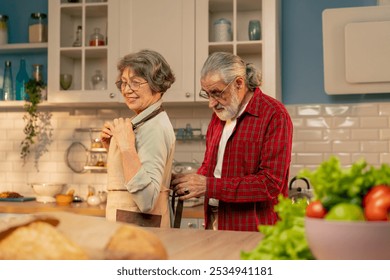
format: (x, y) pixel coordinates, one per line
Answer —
(17, 199)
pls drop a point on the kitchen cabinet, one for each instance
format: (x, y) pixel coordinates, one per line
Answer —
(264, 53)
(192, 223)
(83, 61)
(166, 26)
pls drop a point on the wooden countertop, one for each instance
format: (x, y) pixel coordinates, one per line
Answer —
(198, 244)
(30, 207)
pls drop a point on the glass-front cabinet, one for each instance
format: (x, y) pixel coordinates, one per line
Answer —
(84, 49)
(247, 28)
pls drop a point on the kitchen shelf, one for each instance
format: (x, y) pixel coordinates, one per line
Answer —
(22, 48)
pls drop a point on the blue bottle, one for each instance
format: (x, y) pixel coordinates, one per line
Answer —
(21, 80)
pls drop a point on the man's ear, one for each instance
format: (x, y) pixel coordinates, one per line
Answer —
(240, 82)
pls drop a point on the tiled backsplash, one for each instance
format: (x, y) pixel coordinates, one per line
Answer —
(350, 131)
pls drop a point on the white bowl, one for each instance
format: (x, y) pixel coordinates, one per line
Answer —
(47, 192)
(349, 240)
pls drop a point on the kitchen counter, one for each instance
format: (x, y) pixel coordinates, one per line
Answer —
(30, 207)
(198, 244)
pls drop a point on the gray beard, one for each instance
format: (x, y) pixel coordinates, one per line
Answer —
(230, 112)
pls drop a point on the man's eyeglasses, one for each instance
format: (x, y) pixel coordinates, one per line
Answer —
(215, 94)
(133, 85)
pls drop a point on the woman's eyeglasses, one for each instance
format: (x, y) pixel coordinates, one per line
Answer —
(133, 85)
(215, 94)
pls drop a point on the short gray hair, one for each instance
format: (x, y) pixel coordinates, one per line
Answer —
(230, 66)
(151, 66)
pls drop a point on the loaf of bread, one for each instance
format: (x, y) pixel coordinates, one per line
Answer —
(65, 236)
(134, 243)
(39, 241)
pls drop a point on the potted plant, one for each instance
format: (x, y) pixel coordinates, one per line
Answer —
(38, 129)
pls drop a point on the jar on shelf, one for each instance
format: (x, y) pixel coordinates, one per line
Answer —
(3, 29)
(96, 39)
(37, 30)
(77, 41)
(98, 82)
(222, 30)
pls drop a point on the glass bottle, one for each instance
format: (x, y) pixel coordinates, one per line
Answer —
(77, 41)
(21, 80)
(8, 90)
(96, 38)
(3, 29)
(37, 29)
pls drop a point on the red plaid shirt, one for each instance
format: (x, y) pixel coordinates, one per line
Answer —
(255, 166)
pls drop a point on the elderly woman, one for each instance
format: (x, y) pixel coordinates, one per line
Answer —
(140, 149)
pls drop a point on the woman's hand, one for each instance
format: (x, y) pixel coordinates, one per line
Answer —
(122, 131)
(106, 135)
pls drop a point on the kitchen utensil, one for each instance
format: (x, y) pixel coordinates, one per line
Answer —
(296, 192)
(64, 199)
(46, 192)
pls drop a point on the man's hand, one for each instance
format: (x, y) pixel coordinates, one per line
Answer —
(189, 185)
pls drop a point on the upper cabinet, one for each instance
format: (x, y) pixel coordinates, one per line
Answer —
(84, 43)
(223, 25)
(166, 26)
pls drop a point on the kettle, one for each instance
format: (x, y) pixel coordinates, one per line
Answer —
(295, 193)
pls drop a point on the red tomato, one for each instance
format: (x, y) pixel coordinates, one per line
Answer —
(315, 209)
(376, 192)
(378, 209)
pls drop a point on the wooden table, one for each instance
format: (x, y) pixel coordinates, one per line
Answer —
(197, 244)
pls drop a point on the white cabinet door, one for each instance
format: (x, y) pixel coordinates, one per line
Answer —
(263, 52)
(166, 26)
(83, 61)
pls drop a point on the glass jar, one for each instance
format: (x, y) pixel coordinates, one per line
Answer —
(222, 30)
(37, 72)
(37, 29)
(96, 38)
(3, 29)
(254, 30)
(98, 82)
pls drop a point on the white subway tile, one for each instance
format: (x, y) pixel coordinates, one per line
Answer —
(309, 110)
(364, 134)
(337, 134)
(346, 146)
(309, 158)
(374, 122)
(370, 158)
(319, 122)
(308, 134)
(337, 110)
(346, 122)
(384, 134)
(365, 109)
(375, 146)
(318, 146)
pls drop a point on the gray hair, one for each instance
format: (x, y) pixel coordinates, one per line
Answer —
(229, 66)
(151, 66)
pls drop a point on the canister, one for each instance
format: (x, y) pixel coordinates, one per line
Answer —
(37, 30)
(222, 30)
(3, 29)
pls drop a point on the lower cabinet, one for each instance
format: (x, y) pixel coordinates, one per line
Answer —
(192, 223)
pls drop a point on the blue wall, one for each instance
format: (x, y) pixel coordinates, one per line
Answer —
(302, 58)
(19, 12)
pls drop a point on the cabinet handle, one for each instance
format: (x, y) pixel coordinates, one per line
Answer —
(112, 95)
(188, 94)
